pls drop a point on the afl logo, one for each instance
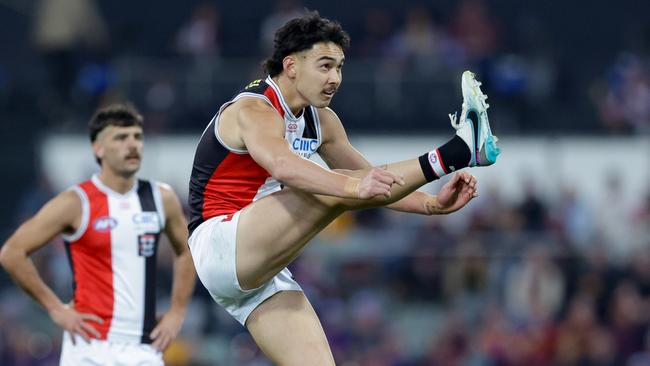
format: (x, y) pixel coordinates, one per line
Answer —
(104, 223)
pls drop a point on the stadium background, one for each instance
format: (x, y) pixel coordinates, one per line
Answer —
(550, 266)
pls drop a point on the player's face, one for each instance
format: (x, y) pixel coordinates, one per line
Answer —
(319, 73)
(120, 149)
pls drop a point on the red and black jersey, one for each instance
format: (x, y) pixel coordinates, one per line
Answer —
(225, 180)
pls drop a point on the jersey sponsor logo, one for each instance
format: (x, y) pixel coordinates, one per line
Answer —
(292, 127)
(302, 145)
(146, 221)
(104, 223)
(146, 245)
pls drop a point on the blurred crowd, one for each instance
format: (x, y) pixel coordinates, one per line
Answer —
(544, 280)
(404, 61)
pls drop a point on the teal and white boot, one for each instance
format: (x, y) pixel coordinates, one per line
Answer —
(473, 125)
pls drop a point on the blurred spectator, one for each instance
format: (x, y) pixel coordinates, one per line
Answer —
(62, 28)
(33, 198)
(466, 280)
(628, 320)
(578, 334)
(641, 222)
(160, 99)
(533, 210)
(598, 278)
(475, 29)
(575, 217)
(494, 340)
(420, 276)
(452, 346)
(625, 105)
(641, 358)
(601, 350)
(200, 37)
(284, 10)
(417, 44)
(378, 27)
(614, 219)
(534, 288)
(640, 271)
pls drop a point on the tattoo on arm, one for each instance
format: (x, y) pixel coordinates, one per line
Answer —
(432, 207)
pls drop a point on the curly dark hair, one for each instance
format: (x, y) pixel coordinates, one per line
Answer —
(300, 34)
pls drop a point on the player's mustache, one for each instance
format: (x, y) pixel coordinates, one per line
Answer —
(133, 156)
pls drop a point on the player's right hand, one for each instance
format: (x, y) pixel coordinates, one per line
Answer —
(76, 323)
(378, 182)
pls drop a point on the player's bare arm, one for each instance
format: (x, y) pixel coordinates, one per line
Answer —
(262, 131)
(60, 215)
(184, 274)
(338, 153)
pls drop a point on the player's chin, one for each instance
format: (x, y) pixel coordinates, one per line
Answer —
(322, 103)
(130, 169)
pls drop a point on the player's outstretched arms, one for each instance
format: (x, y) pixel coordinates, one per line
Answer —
(262, 131)
(61, 214)
(453, 196)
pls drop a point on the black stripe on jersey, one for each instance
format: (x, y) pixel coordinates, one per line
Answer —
(310, 124)
(145, 193)
(69, 253)
(209, 154)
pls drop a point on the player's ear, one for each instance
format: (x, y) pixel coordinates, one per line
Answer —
(98, 149)
(289, 66)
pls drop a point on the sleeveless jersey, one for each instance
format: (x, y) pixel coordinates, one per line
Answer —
(225, 180)
(113, 258)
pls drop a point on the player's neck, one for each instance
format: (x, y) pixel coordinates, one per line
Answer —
(118, 183)
(288, 89)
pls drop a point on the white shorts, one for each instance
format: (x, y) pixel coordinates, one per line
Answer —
(107, 353)
(213, 245)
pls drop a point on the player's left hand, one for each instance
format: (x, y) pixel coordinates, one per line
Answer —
(166, 330)
(454, 194)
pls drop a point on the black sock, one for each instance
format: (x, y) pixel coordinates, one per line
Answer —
(453, 155)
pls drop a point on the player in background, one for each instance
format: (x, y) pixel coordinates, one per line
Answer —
(111, 225)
